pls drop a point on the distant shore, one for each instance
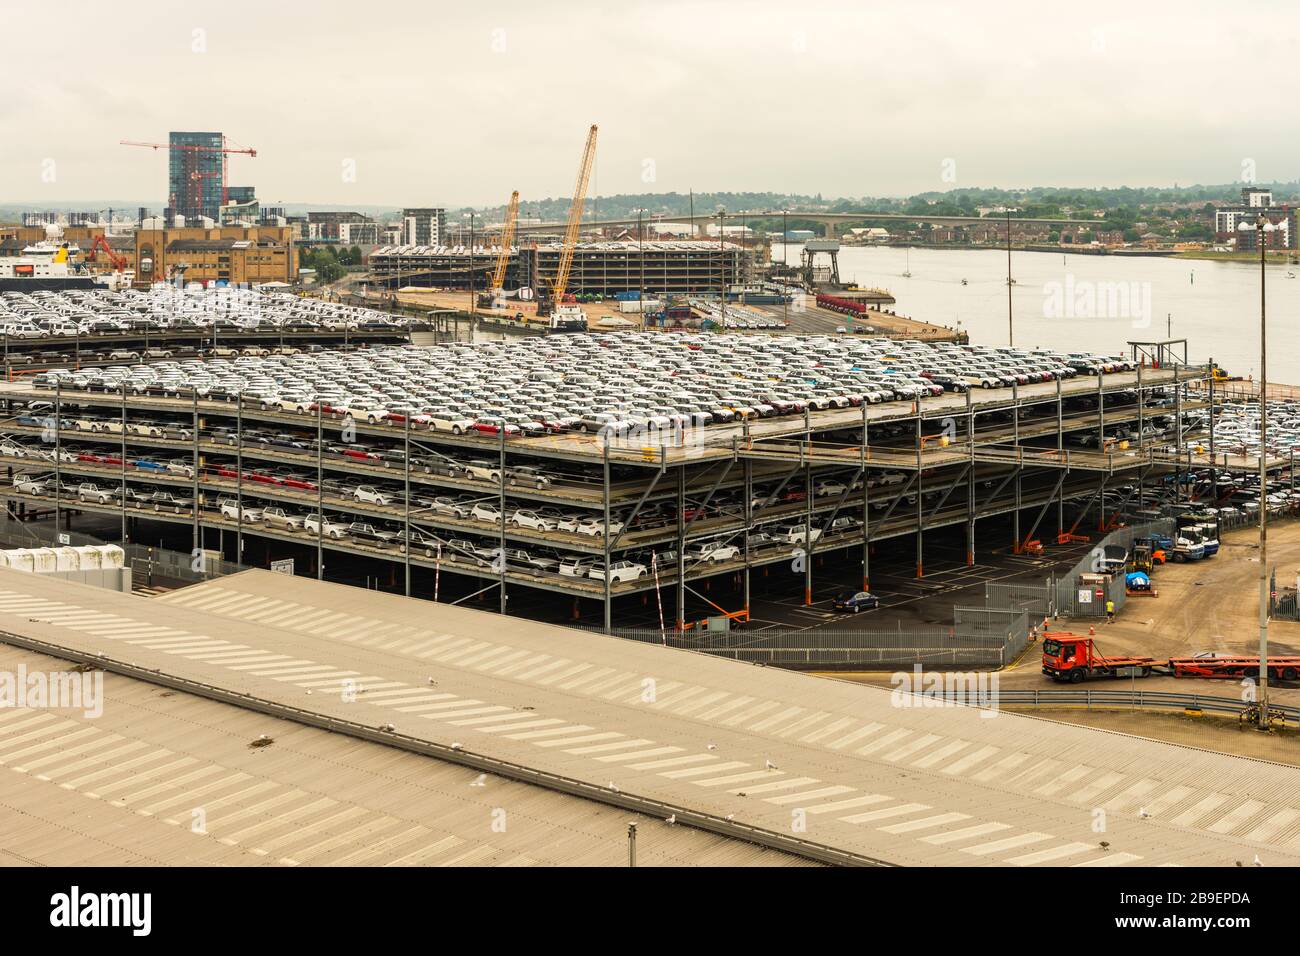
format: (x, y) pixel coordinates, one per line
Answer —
(1288, 256)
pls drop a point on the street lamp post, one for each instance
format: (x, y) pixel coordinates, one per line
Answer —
(640, 252)
(1011, 328)
(1262, 228)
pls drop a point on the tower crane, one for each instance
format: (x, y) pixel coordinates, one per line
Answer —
(571, 316)
(194, 177)
(496, 294)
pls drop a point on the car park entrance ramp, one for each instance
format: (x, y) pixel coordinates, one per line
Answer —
(829, 770)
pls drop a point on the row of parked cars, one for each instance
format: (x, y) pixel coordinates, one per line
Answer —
(1236, 428)
(165, 308)
(612, 383)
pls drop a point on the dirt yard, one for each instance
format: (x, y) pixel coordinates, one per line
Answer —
(1210, 605)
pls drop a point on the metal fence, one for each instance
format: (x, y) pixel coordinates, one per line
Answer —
(869, 650)
(1009, 629)
(1283, 605)
(980, 639)
(1075, 599)
(1039, 600)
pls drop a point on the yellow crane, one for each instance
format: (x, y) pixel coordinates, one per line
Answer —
(496, 294)
(570, 316)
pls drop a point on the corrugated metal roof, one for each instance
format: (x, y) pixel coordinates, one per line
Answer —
(167, 778)
(838, 763)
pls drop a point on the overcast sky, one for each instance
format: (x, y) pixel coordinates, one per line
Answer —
(456, 103)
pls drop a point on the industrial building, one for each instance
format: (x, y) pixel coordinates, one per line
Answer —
(232, 254)
(571, 737)
(232, 806)
(603, 268)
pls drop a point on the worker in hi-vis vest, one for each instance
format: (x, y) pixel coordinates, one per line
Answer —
(1110, 612)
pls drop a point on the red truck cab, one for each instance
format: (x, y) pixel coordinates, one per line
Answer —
(1068, 657)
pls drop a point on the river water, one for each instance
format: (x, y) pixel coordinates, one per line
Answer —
(1091, 303)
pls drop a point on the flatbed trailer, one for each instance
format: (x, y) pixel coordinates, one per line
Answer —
(1279, 668)
(1073, 659)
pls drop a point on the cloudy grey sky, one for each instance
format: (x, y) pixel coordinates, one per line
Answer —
(451, 103)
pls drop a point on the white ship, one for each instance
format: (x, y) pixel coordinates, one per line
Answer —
(40, 260)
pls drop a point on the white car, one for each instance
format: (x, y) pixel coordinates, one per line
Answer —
(446, 422)
(575, 567)
(230, 509)
(12, 449)
(712, 552)
(485, 512)
(299, 406)
(363, 410)
(568, 522)
(332, 529)
(483, 470)
(830, 487)
(595, 527)
(797, 534)
(531, 520)
(618, 571)
(369, 494)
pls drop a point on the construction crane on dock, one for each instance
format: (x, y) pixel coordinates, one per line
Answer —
(495, 297)
(191, 173)
(561, 315)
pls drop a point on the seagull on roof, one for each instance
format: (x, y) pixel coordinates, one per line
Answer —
(673, 819)
(713, 746)
(769, 765)
(613, 786)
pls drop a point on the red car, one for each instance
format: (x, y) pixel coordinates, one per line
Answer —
(492, 426)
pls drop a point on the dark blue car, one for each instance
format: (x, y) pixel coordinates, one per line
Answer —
(856, 601)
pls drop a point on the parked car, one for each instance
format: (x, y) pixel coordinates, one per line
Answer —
(618, 571)
(329, 528)
(368, 533)
(855, 601)
(275, 516)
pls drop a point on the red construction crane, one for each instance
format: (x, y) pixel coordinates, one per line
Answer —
(117, 260)
(192, 174)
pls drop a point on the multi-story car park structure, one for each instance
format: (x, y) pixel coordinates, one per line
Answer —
(593, 509)
(80, 327)
(604, 268)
